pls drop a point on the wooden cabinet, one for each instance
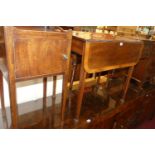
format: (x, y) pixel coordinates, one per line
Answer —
(145, 70)
(26, 49)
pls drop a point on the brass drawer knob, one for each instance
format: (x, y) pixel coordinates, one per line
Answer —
(65, 57)
(121, 43)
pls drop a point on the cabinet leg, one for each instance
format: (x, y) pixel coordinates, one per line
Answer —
(64, 97)
(44, 100)
(53, 98)
(44, 92)
(4, 116)
(13, 104)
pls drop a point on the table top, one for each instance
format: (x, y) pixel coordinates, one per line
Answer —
(87, 36)
(100, 37)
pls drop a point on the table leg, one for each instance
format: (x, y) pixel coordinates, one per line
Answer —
(96, 87)
(126, 85)
(74, 64)
(80, 92)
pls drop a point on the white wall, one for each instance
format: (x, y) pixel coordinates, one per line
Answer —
(31, 90)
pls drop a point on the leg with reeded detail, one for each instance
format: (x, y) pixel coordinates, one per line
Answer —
(126, 85)
(4, 116)
(13, 103)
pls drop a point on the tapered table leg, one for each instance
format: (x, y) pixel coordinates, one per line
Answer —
(74, 65)
(126, 86)
(80, 93)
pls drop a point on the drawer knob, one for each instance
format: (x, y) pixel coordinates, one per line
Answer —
(121, 43)
(65, 57)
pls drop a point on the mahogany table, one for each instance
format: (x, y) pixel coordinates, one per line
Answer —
(102, 52)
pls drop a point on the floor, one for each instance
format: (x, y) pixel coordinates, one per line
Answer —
(150, 124)
(93, 105)
(45, 119)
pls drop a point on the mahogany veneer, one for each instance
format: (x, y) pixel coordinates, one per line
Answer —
(33, 52)
(103, 53)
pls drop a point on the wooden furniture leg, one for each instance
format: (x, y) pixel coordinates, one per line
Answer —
(44, 100)
(109, 77)
(13, 103)
(108, 80)
(96, 86)
(74, 64)
(99, 77)
(80, 93)
(64, 96)
(4, 116)
(53, 98)
(126, 86)
(44, 92)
